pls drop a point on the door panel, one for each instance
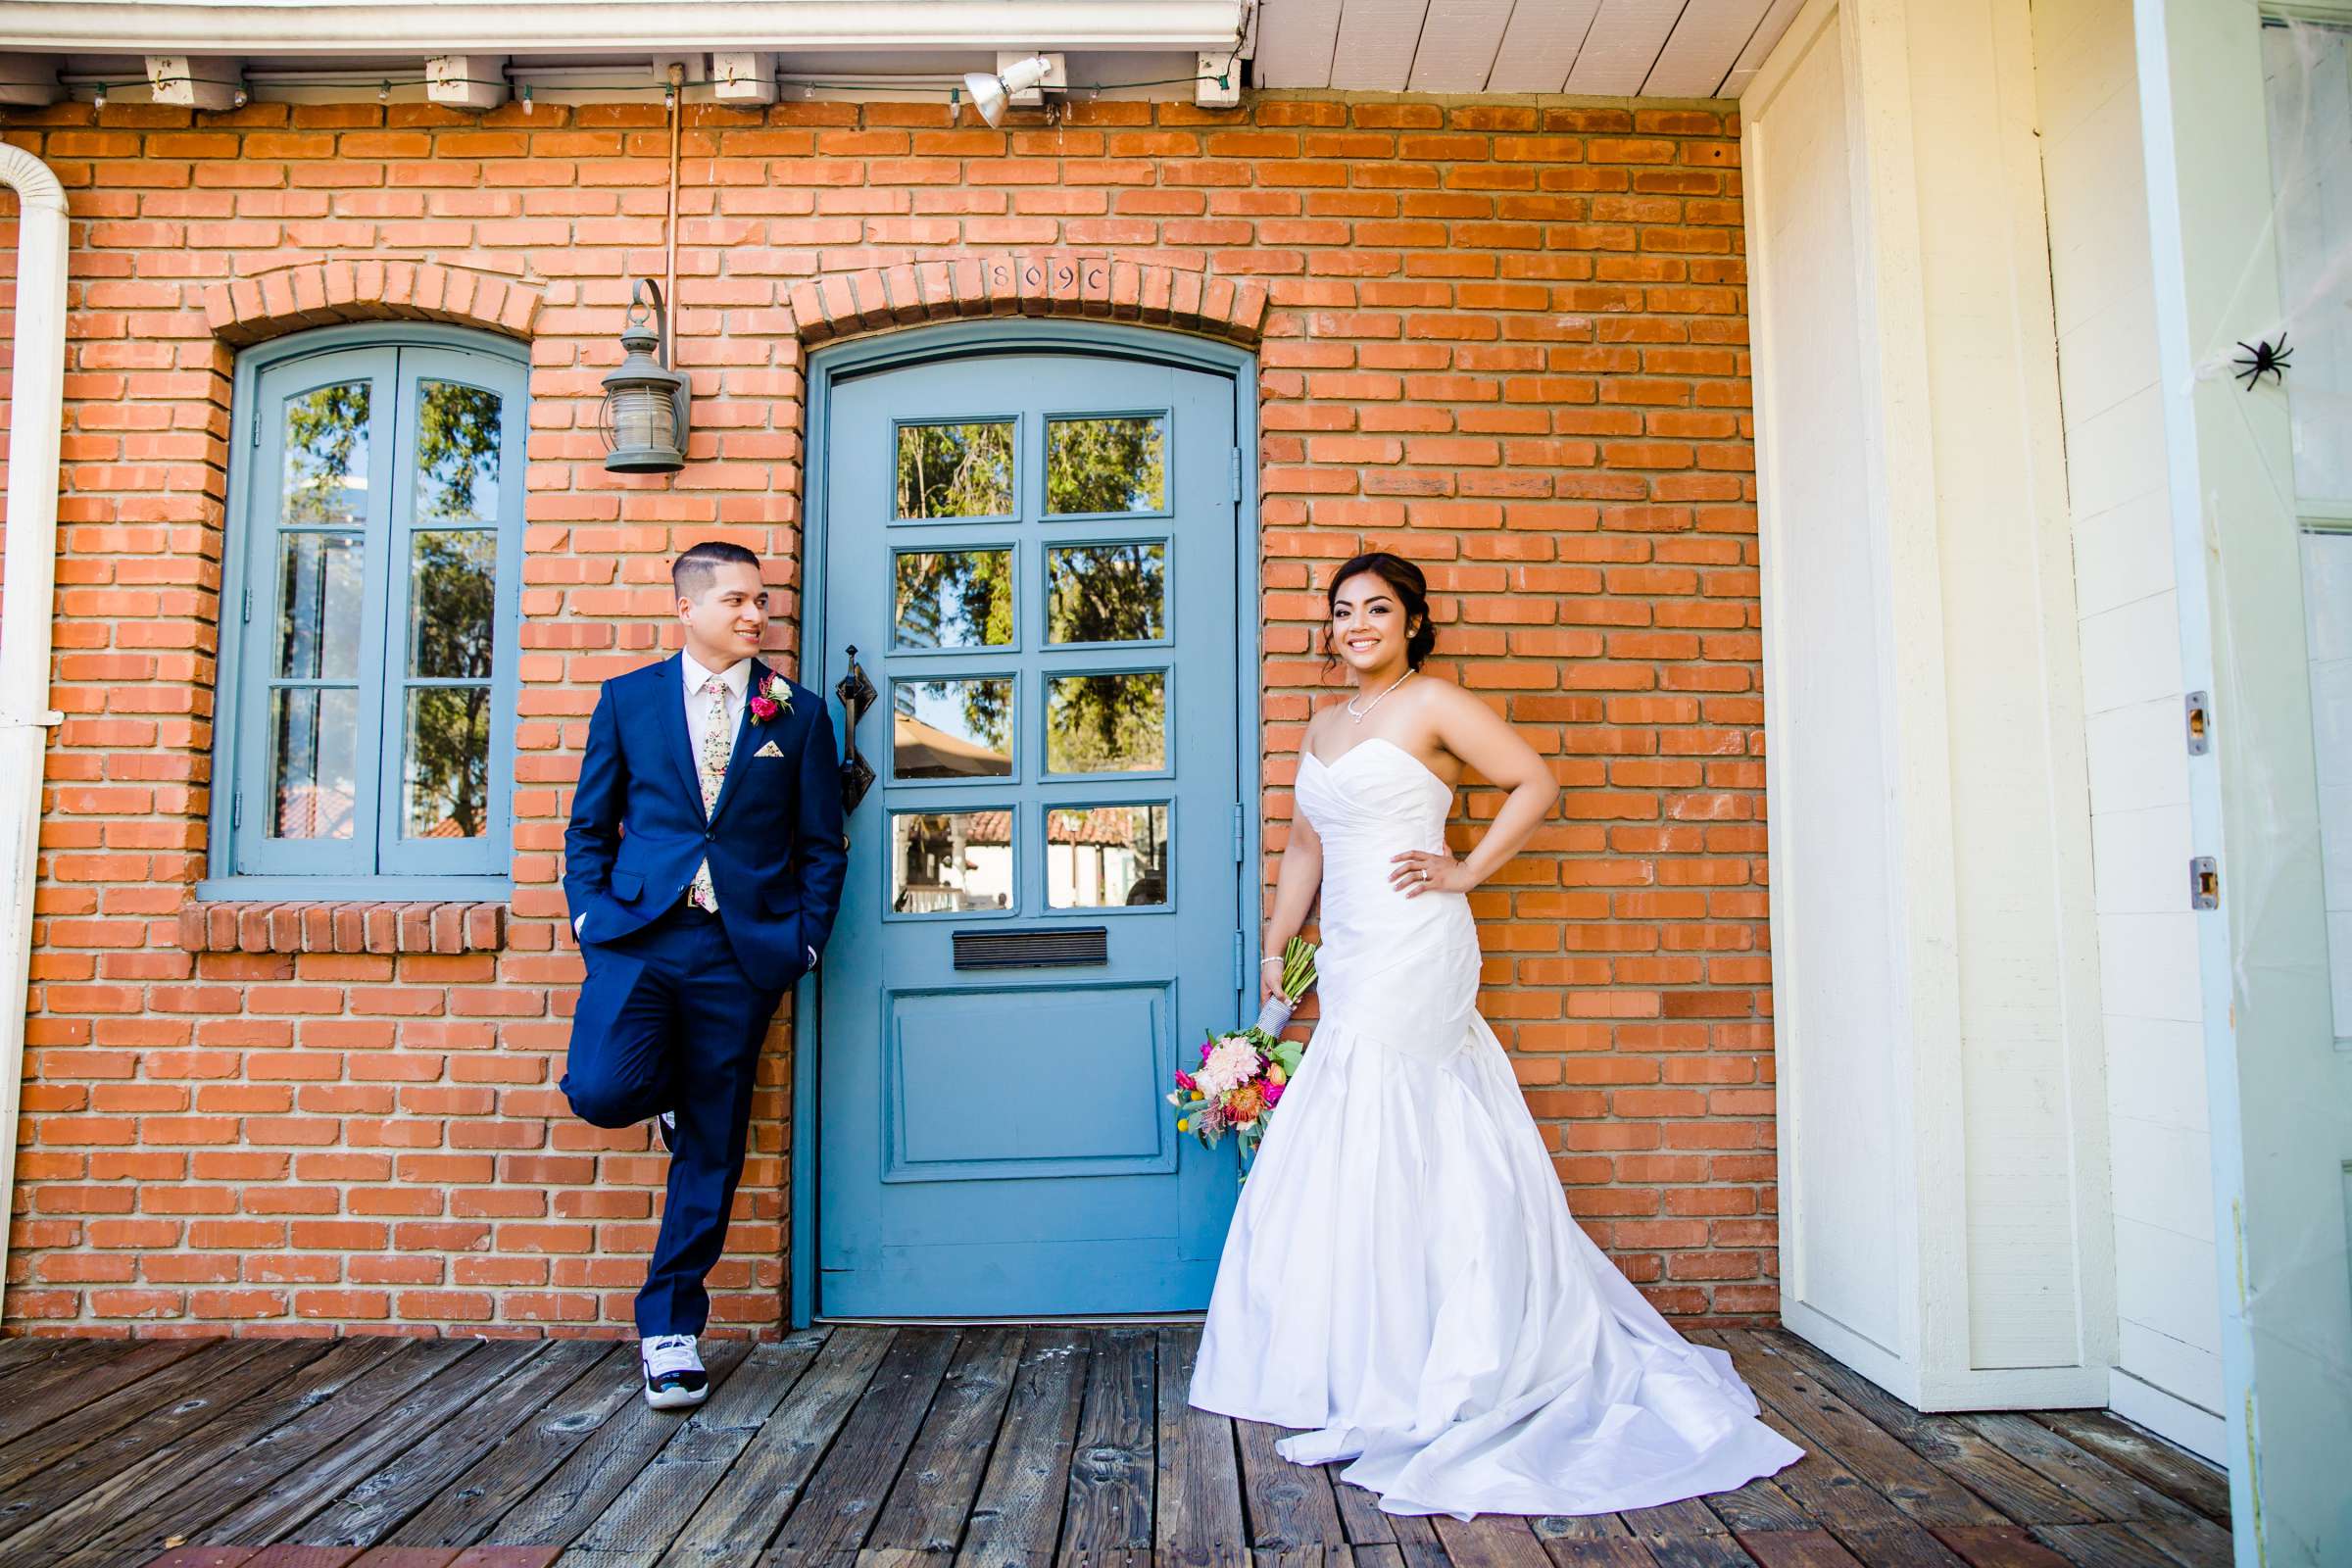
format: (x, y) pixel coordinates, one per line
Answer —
(1034, 555)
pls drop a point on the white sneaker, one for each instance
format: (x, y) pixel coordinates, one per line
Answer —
(673, 1371)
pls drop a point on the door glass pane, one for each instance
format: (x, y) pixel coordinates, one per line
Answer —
(321, 578)
(959, 728)
(314, 761)
(2327, 616)
(1101, 856)
(325, 479)
(954, 599)
(1105, 464)
(453, 587)
(950, 861)
(956, 471)
(1107, 723)
(446, 790)
(2308, 88)
(1106, 593)
(456, 453)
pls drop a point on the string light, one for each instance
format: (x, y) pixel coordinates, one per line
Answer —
(384, 92)
(98, 100)
(526, 97)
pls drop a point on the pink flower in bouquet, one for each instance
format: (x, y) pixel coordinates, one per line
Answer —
(1186, 1081)
(1230, 1063)
(1273, 1094)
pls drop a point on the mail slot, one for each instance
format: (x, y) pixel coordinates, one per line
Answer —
(1046, 947)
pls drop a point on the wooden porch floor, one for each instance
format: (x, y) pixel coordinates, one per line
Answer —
(873, 1448)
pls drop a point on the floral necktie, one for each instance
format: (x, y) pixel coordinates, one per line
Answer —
(718, 745)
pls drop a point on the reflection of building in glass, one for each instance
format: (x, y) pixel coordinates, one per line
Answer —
(1106, 856)
(314, 811)
(925, 751)
(951, 861)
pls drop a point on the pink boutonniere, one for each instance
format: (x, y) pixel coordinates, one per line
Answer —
(772, 700)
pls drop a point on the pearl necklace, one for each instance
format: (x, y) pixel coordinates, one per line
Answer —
(1359, 717)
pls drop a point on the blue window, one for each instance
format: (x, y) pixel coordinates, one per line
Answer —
(364, 736)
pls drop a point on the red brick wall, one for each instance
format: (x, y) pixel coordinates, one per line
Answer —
(1506, 341)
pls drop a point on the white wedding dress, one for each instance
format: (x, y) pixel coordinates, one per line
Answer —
(1402, 1276)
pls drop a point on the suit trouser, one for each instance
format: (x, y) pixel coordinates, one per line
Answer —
(667, 1021)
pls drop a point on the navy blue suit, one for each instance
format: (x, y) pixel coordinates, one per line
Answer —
(677, 1001)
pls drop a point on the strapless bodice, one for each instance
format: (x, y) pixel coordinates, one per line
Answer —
(1403, 970)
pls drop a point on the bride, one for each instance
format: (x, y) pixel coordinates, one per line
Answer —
(1402, 1277)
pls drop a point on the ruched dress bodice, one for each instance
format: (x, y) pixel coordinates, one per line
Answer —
(1396, 969)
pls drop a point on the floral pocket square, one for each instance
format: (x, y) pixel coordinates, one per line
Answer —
(769, 749)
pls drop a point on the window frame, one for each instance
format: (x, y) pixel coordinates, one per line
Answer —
(403, 355)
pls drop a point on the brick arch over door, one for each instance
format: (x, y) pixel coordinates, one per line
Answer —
(1096, 287)
(291, 299)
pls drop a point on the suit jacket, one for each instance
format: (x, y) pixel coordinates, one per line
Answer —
(773, 840)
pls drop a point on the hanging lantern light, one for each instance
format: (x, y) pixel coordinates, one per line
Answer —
(644, 412)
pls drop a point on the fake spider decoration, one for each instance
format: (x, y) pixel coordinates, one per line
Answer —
(2266, 361)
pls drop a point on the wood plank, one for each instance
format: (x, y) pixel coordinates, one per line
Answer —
(79, 1378)
(1540, 45)
(844, 1495)
(925, 1511)
(1456, 48)
(1017, 1515)
(132, 1445)
(2195, 1542)
(21, 1351)
(72, 1430)
(1294, 47)
(664, 1506)
(1112, 1463)
(2174, 1472)
(1375, 47)
(463, 1511)
(1794, 1549)
(1490, 1541)
(1198, 1488)
(1997, 1547)
(1824, 1421)
(1624, 43)
(585, 1484)
(2104, 1546)
(1588, 1527)
(1416, 1538)
(1317, 1555)
(63, 1508)
(1902, 1544)
(227, 1480)
(372, 1508)
(2022, 1493)
(1700, 51)
(1713, 1550)
(410, 1423)
(2108, 1493)
(1759, 45)
(1289, 1504)
(1671, 1521)
(1761, 1507)
(1598, 1551)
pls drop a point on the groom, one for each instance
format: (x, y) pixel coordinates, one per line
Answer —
(703, 867)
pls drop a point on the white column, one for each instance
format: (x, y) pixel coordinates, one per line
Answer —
(1946, 1222)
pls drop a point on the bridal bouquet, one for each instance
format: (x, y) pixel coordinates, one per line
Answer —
(1241, 1075)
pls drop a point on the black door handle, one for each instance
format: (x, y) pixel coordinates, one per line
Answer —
(856, 695)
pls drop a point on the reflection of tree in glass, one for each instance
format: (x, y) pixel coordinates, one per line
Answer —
(1105, 593)
(954, 470)
(456, 453)
(449, 761)
(453, 586)
(326, 453)
(1104, 465)
(1108, 723)
(955, 598)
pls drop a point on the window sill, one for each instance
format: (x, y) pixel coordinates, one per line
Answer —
(358, 925)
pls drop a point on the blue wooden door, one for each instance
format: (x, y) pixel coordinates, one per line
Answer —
(1034, 555)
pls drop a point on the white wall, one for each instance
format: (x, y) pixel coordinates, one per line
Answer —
(1943, 1128)
(2168, 1368)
